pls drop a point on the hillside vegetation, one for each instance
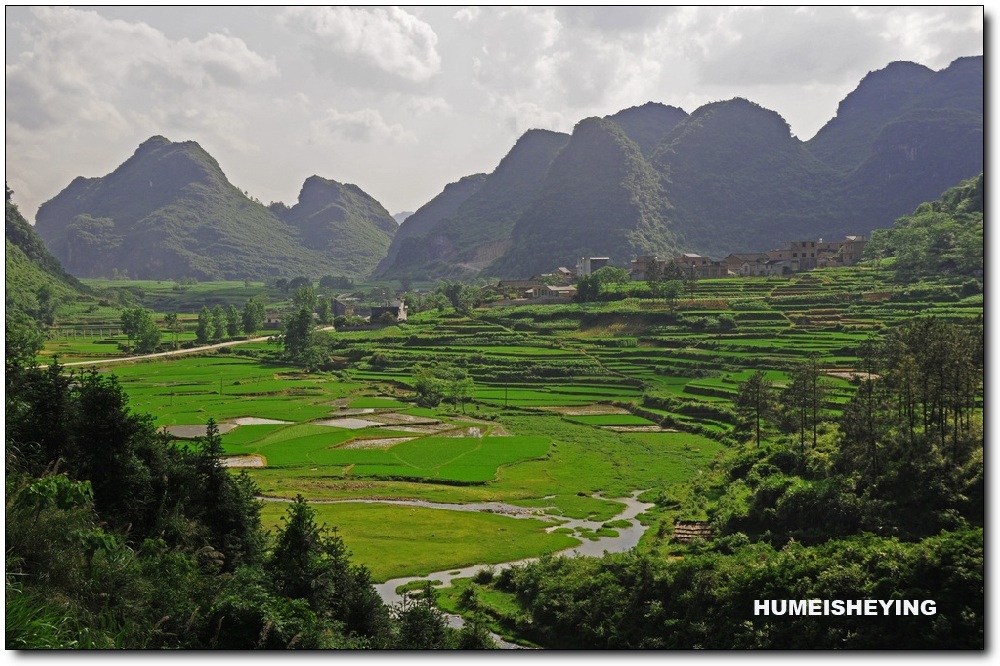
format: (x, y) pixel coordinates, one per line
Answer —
(944, 237)
(169, 212)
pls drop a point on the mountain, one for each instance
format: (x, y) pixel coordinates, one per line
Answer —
(169, 212)
(462, 238)
(30, 265)
(401, 216)
(728, 177)
(441, 207)
(341, 222)
(739, 180)
(647, 125)
(888, 95)
(34, 284)
(600, 198)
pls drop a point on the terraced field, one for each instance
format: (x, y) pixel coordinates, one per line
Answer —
(572, 405)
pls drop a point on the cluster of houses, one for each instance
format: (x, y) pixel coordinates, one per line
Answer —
(799, 256)
(349, 306)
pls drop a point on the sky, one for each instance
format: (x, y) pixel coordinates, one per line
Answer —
(401, 101)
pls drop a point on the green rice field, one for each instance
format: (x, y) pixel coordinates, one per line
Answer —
(572, 406)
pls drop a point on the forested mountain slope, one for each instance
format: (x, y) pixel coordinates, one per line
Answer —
(463, 241)
(169, 212)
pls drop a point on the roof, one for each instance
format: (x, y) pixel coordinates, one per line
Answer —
(687, 530)
(749, 256)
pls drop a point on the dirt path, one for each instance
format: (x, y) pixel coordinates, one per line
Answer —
(173, 352)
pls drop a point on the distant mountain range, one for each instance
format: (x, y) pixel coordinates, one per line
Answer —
(651, 179)
(169, 212)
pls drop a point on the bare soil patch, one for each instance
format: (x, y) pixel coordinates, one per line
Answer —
(253, 420)
(243, 461)
(352, 424)
(383, 443)
(192, 431)
(424, 429)
(353, 411)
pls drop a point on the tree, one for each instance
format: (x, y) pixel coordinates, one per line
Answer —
(804, 398)
(138, 323)
(312, 563)
(22, 339)
(754, 402)
(323, 311)
(298, 333)
(429, 387)
(203, 331)
(232, 321)
(253, 315)
(671, 291)
(47, 302)
(421, 625)
(218, 323)
(458, 384)
(232, 510)
(610, 275)
(296, 283)
(173, 325)
(588, 288)
(336, 282)
(304, 297)
(130, 324)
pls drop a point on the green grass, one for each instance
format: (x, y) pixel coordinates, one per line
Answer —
(523, 360)
(395, 541)
(611, 420)
(450, 459)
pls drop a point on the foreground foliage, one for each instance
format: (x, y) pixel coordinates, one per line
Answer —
(117, 539)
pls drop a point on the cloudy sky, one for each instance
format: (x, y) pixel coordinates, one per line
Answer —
(401, 101)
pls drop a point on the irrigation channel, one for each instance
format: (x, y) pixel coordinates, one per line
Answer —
(628, 538)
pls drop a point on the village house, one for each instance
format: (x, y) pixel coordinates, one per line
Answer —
(747, 264)
(272, 321)
(396, 308)
(852, 250)
(807, 255)
(343, 306)
(560, 291)
(801, 255)
(697, 266)
(587, 265)
(519, 288)
(642, 267)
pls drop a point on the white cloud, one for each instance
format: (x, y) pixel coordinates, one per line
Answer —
(424, 105)
(467, 14)
(83, 68)
(362, 126)
(390, 39)
(597, 63)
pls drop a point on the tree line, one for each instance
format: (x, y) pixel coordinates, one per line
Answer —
(117, 537)
(880, 498)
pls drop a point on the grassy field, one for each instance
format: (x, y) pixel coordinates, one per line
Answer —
(397, 541)
(556, 389)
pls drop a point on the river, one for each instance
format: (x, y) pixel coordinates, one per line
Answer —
(627, 538)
